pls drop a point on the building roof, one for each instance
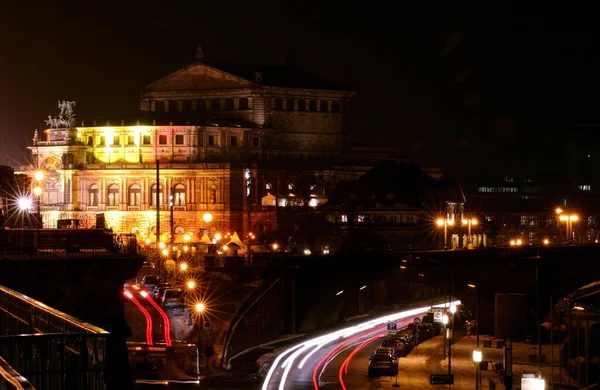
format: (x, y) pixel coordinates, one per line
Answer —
(156, 118)
(202, 75)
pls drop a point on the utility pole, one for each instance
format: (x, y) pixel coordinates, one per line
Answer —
(157, 203)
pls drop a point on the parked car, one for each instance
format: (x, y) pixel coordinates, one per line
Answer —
(383, 363)
(386, 351)
(172, 297)
(150, 282)
(159, 288)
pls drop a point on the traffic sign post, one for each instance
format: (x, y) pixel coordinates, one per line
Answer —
(392, 328)
(441, 379)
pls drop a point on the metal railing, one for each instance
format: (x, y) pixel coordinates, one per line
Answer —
(11, 379)
(50, 348)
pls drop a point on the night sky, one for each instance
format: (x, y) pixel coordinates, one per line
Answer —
(475, 90)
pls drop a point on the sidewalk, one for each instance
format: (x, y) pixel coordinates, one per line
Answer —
(427, 358)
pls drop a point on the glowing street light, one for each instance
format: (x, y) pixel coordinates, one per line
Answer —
(38, 175)
(183, 266)
(546, 241)
(191, 284)
(199, 307)
(275, 246)
(445, 222)
(24, 203)
(470, 222)
(569, 219)
(207, 218)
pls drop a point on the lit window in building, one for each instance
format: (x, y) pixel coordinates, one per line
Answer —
(283, 202)
(233, 140)
(179, 192)
(243, 104)
(178, 139)
(102, 141)
(90, 141)
(93, 195)
(113, 195)
(360, 219)
(162, 139)
(344, 218)
(147, 140)
(116, 140)
(389, 196)
(130, 140)
(268, 187)
(529, 220)
(290, 187)
(213, 195)
(313, 202)
(135, 195)
(585, 187)
(268, 200)
(153, 196)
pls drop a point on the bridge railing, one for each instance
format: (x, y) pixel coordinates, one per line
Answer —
(51, 349)
(11, 379)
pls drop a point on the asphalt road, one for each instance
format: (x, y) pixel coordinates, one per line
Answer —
(338, 359)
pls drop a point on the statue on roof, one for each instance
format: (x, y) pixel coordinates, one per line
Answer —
(199, 53)
(65, 118)
(258, 77)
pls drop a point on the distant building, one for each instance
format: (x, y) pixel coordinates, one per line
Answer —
(241, 143)
(395, 206)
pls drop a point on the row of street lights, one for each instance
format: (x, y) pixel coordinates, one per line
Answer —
(469, 222)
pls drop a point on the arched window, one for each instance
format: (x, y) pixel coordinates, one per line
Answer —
(134, 230)
(153, 196)
(113, 195)
(135, 195)
(179, 230)
(179, 195)
(268, 187)
(290, 187)
(93, 195)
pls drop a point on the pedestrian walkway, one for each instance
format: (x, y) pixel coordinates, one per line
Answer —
(428, 358)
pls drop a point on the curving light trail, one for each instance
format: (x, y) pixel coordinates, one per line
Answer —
(164, 316)
(146, 314)
(314, 344)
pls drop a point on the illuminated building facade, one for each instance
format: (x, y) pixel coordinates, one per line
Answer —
(239, 143)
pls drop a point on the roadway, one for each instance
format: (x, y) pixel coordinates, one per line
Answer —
(338, 359)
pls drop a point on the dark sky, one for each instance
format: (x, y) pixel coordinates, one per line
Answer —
(471, 89)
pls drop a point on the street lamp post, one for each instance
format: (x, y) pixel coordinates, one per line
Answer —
(445, 222)
(569, 219)
(37, 191)
(469, 222)
(475, 356)
(199, 309)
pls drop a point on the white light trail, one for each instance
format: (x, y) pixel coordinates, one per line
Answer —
(319, 342)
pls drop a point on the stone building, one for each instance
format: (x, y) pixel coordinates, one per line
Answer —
(240, 143)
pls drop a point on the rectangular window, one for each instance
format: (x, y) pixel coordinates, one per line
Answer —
(102, 141)
(162, 139)
(312, 105)
(255, 142)
(130, 140)
(361, 219)
(301, 105)
(147, 140)
(233, 140)
(187, 105)
(178, 139)
(290, 104)
(344, 218)
(90, 141)
(201, 105)
(228, 104)
(529, 220)
(279, 104)
(243, 104)
(116, 140)
(215, 105)
(335, 107)
(211, 140)
(323, 106)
